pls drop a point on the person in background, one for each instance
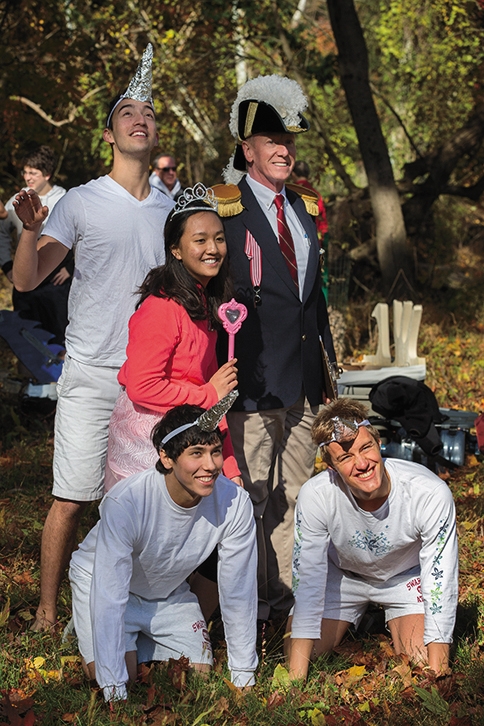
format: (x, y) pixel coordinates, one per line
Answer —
(369, 530)
(115, 224)
(164, 176)
(48, 302)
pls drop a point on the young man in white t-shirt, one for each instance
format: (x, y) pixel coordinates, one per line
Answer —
(115, 225)
(372, 530)
(131, 602)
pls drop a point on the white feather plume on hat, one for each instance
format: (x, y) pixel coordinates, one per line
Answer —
(284, 94)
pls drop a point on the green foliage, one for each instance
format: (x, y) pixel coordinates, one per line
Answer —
(433, 701)
(427, 61)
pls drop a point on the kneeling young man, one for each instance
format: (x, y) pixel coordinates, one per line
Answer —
(130, 599)
(369, 530)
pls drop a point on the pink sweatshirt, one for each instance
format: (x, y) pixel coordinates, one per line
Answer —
(170, 359)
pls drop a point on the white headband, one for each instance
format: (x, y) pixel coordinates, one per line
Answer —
(208, 420)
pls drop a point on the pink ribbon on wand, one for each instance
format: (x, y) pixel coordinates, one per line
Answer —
(232, 314)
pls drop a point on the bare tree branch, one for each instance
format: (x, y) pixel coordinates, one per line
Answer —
(398, 117)
(72, 115)
(473, 192)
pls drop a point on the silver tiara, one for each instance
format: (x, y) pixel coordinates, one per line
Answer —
(197, 193)
(139, 87)
(208, 420)
(344, 430)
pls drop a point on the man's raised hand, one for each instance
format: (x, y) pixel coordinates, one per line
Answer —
(29, 209)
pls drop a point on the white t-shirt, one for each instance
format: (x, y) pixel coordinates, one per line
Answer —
(415, 526)
(147, 545)
(117, 239)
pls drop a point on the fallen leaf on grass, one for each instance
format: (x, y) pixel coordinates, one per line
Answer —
(387, 648)
(275, 699)
(23, 578)
(317, 717)
(470, 525)
(350, 649)
(35, 670)
(460, 721)
(17, 709)
(145, 673)
(177, 672)
(5, 613)
(280, 678)
(344, 716)
(223, 706)
(163, 718)
(350, 675)
(433, 701)
(238, 693)
(405, 673)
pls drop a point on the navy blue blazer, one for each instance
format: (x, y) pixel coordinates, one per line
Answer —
(277, 348)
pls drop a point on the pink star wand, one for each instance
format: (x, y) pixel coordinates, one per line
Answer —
(232, 315)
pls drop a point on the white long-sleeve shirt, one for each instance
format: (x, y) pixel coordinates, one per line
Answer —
(415, 526)
(146, 544)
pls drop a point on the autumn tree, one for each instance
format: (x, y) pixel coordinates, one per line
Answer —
(391, 238)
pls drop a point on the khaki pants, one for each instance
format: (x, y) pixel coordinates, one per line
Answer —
(276, 456)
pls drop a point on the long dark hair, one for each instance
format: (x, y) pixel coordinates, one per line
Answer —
(172, 280)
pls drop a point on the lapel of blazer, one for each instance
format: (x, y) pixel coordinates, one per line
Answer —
(258, 225)
(313, 267)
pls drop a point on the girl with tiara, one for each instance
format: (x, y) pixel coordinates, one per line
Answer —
(171, 358)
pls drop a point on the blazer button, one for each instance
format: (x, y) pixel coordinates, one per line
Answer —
(303, 337)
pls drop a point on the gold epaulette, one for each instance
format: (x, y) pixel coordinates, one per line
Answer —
(228, 197)
(309, 198)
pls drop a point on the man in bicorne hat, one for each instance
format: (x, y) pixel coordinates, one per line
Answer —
(115, 225)
(274, 259)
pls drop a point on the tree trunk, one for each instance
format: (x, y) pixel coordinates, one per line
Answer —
(391, 239)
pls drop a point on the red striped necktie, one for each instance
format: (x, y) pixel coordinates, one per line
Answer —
(286, 242)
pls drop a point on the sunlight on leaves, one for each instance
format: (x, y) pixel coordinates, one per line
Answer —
(280, 678)
(34, 668)
(469, 525)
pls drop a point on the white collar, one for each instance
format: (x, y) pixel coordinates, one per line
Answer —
(265, 196)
